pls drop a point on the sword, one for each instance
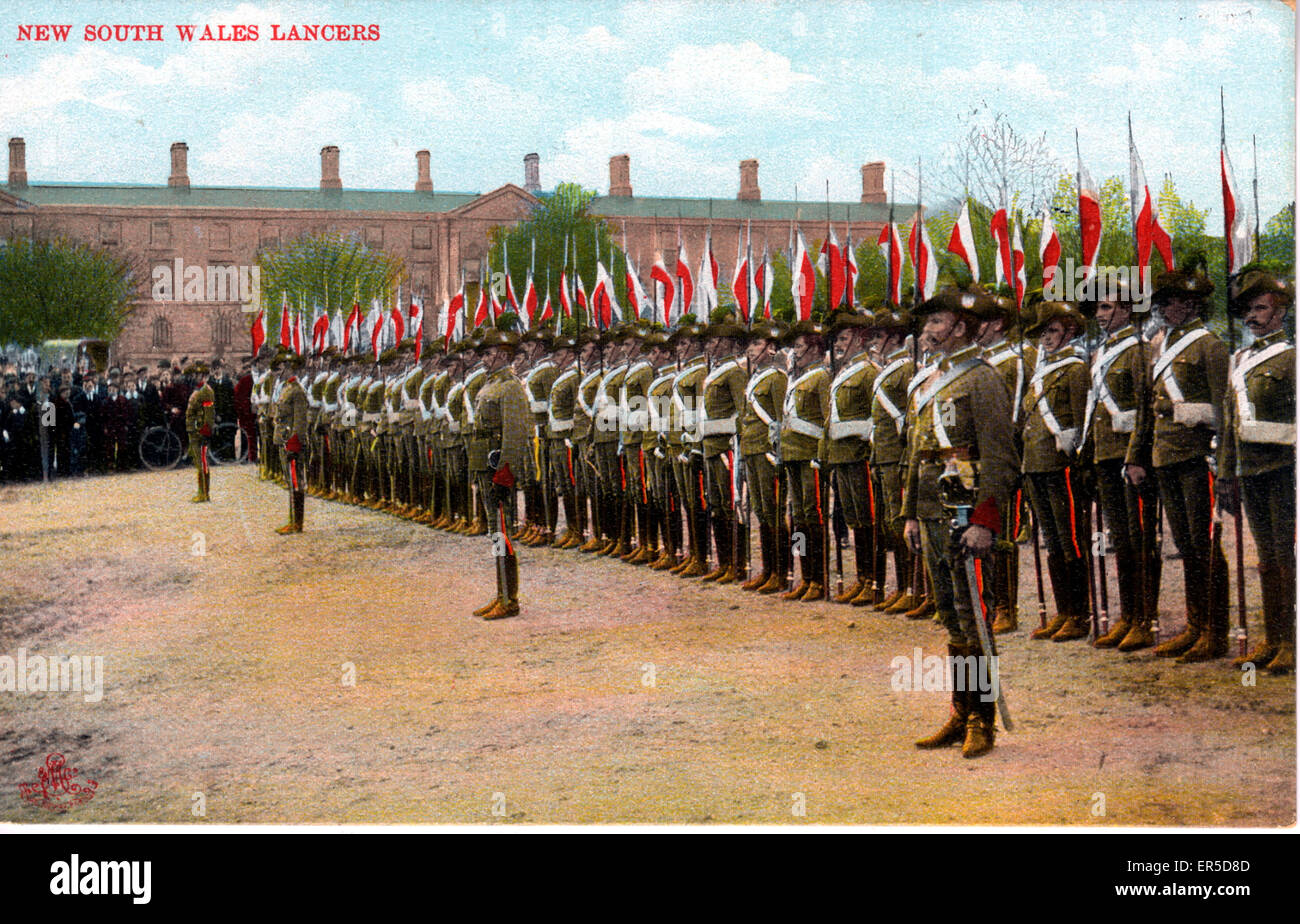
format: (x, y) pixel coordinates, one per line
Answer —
(960, 520)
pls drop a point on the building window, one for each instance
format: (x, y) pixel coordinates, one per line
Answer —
(421, 237)
(374, 235)
(160, 234)
(270, 236)
(162, 333)
(223, 330)
(110, 232)
(220, 236)
(422, 278)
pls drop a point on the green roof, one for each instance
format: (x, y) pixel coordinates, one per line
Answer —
(757, 210)
(246, 197)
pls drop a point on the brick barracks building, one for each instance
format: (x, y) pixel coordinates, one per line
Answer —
(436, 233)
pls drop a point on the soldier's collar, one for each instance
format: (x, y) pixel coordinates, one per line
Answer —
(1125, 331)
(898, 354)
(1269, 339)
(1062, 353)
(963, 354)
(1192, 323)
(1000, 342)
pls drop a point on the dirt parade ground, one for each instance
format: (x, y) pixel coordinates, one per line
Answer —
(338, 676)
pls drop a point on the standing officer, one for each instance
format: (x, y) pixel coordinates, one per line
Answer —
(683, 440)
(1052, 417)
(1259, 453)
(1190, 379)
(962, 435)
(200, 418)
(560, 462)
(291, 434)
(805, 411)
(665, 510)
(888, 447)
(722, 398)
(501, 455)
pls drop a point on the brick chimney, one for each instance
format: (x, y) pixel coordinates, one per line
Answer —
(180, 175)
(329, 169)
(423, 182)
(873, 181)
(620, 175)
(17, 163)
(532, 173)
(749, 180)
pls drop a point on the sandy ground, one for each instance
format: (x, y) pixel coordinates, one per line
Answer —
(620, 695)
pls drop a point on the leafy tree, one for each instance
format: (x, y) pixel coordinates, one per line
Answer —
(1277, 241)
(560, 223)
(60, 289)
(331, 270)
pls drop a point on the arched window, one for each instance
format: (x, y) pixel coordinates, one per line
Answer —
(223, 330)
(162, 333)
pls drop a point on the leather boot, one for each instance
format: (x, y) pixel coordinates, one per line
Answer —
(954, 730)
(1076, 626)
(805, 574)
(722, 542)
(780, 560)
(981, 729)
(1284, 661)
(1060, 591)
(201, 495)
(1117, 634)
(817, 585)
(924, 609)
(509, 605)
(299, 502)
(765, 553)
(292, 526)
(862, 564)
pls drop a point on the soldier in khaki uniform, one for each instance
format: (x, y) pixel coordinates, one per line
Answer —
(460, 493)
(1015, 360)
(1257, 459)
(1189, 382)
(760, 444)
(805, 412)
(291, 434)
(200, 418)
(634, 420)
(605, 445)
(502, 458)
(560, 461)
(538, 378)
(962, 435)
(684, 438)
(1052, 431)
(888, 448)
(475, 454)
(722, 398)
(846, 447)
(664, 508)
(591, 369)
(1119, 387)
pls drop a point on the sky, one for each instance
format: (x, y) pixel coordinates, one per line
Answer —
(811, 89)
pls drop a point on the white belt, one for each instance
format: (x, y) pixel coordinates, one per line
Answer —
(803, 427)
(840, 429)
(410, 404)
(561, 426)
(370, 417)
(718, 427)
(537, 407)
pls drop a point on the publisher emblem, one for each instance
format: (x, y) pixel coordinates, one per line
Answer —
(56, 788)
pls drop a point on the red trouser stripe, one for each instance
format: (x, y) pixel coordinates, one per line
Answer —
(568, 452)
(203, 454)
(817, 485)
(871, 491)
(293, 473)
(979, 584)
(1069, 494)
(1142, 519)
(1210, 475)
(1016, 532)
(730, 463)
(622, 475)
(501, 513)
(645, 499)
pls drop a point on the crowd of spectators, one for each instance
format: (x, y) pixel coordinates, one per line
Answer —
(61, 421)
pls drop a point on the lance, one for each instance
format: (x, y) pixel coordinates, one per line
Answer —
(1232, 351)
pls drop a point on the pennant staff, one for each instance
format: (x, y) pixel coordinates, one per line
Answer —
(1231, 237)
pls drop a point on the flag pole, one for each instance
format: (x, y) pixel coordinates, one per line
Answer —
(1254, 153)
(1232, 351)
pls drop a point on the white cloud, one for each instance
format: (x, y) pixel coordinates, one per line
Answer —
(718, 78)
(992, 76)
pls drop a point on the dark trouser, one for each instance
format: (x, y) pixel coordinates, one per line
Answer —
(1269, 502)
(1185, 491)
(1130, 516)
(807, 491)
(1061, 508)
(856, 496)
(953, 600)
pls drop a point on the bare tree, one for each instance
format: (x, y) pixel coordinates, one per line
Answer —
(998, 165)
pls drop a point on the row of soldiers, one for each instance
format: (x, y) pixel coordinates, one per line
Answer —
(662, 447)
